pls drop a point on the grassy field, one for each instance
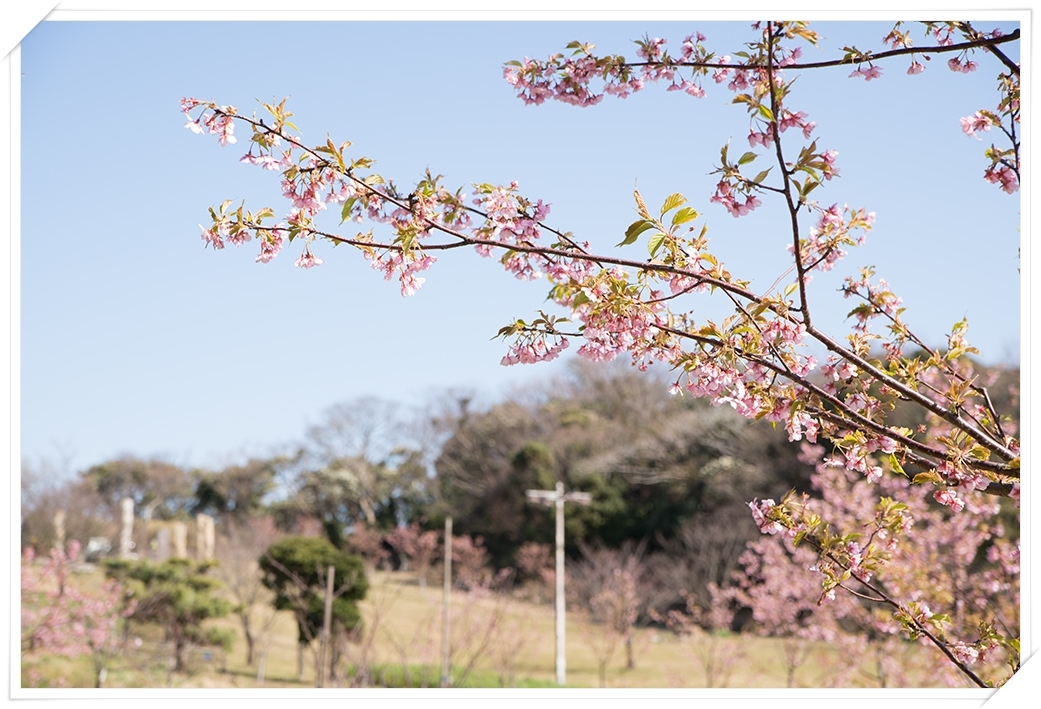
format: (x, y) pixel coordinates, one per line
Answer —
(497, 642)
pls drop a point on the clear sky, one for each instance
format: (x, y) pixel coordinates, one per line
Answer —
(137, 339)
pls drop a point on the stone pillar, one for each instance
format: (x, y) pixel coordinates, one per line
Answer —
(204, 537)
(211, 538)
(59, 530)
(162, 538)
(126, 543)
(180, 540)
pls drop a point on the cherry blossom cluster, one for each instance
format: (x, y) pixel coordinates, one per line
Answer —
(726, 196)
(880, 300)
(961, 65)
(617, 320)
(568, 80)
(822, 250)
(220, 123)
(534, 350)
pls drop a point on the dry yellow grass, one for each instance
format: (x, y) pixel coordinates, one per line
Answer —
(402, 634)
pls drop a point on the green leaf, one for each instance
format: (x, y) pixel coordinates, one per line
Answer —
(930, 476)
(863, 309)
(979, 452)
(766, 112)
(762, 176)
(895, 465)
(635, 229)
(345, 213)
(655, 243)
(790, 288)
(672, 201)
(747, 158)
(687, 214)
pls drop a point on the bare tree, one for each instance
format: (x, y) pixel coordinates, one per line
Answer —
(360, 464)
(607, 583)
(702, 632)
(238, 550)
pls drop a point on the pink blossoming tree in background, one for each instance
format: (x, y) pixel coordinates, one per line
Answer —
(895, 498)
(61, 618)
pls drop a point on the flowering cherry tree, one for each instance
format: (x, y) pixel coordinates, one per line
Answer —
(762, 359)
(60, 617)
(966, 563)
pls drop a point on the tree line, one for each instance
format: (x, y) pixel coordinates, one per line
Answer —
(667, 539)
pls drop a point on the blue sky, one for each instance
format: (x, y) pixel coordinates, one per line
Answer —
(137, 339)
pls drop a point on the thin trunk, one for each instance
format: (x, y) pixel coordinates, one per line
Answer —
(179, 647)
(250, 641)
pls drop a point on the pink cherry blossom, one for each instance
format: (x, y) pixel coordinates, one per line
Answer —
(949, 497)
(759, 512)
(872, 72)
(308, 260)
(1005, 175)
(764, 138)
(965, 653)
(270, 245)
(977, 122)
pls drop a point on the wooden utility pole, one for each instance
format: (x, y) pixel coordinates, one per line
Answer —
(557, 498)
(446, 645)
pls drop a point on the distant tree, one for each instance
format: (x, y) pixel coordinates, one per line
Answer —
(295, 569)
(238, 550)
(236, 492)
(49, 487)
(415, 548)
(486, 463)
(160, 490)
(370, 544)
(716, 654)
(178, 595)
(359, 465)
(609, 584)
(704, 551)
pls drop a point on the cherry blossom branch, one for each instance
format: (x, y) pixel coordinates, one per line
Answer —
(909, 616)
(464, 239)
(941, 362)
(912, 395)
(698, 276)
(853, 58)
(969, 31)
(793, 207)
